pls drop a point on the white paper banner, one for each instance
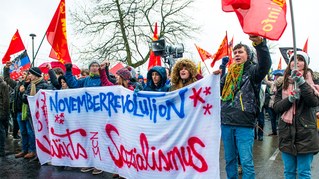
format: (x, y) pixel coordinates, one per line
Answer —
(138, 135)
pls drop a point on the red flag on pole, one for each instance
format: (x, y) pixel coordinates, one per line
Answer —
(279, 64)
(266, 18)
(154, 60)
(305, 47)
(230, 52)
(56, 35)
(204, 55)
(16, 45)
(221, 52)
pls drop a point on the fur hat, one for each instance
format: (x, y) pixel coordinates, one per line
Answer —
(35, 71)
(93, 62)
(124, 73)
(304, 55)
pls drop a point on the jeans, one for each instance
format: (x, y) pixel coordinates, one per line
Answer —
(273, 119)
(300, 164)
(2, 138)
(238, 141)
(261, 124)
(27, 134)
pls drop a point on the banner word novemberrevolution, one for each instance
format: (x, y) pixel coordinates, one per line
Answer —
(137, 135)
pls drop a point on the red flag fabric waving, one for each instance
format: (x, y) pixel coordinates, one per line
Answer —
(279, 64)
(230, 5)
(266, 18)
(230, 52)
(154, 60)
(56, 35)
(305, 47)
(16, 45)
(221, 52)
(204, 55)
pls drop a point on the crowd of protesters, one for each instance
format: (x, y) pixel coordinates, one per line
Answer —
(247, 93)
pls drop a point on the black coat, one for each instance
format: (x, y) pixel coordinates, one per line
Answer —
(300, 137)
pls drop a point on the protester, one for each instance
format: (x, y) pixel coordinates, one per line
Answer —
(140, 79)
(37, 83)
(4, 113)
(295, 101)
(62, 82)
(184, 73)
(239, 108)
(92, 80)
(156, 80)
(54, 74)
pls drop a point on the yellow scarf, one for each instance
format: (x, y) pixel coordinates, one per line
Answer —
(233, 77)
(33, 87)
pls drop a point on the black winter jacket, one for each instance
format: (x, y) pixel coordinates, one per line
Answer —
(237, 113)
(300, 137)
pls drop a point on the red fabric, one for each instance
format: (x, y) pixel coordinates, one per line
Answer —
(204, 55)
(154, 60)
(16, 45)
(104, 80)
(115, 68)
(221, 52)
(55, 64)
(305, 47)
(56, 35)
(230, 5)
(265, 18)
(279, 64)
(230, 52)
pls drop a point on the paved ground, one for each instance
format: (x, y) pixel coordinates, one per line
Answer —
(267, 158)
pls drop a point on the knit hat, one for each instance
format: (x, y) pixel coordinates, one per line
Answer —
(93, 62)
(124, 73)
(35, 71)
(140, 77)
(132, 71)
(304, 56)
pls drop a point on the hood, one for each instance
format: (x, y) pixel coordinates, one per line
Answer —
(161, 71)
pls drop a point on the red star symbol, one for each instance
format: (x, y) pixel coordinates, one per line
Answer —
(57, 118)
(207, 91)
(196, 96)
(207, 108)
(61, 121)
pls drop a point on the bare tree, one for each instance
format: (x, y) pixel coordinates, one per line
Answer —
(122, 30)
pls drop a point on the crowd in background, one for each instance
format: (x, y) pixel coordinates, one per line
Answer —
(243, 104)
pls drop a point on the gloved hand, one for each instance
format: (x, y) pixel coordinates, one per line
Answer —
(68, 66)
(297, 77)
(225, 60)
(294, 95)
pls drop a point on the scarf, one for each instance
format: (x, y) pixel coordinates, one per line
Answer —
(233, 79)
(33, 86)
(288, 115)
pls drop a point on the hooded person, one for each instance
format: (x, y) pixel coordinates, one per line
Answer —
(92, 80)
(156, 80)
(184, 73)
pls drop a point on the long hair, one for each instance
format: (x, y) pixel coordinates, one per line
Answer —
(288, 71)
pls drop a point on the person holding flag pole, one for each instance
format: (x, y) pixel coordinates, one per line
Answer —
(295, 102)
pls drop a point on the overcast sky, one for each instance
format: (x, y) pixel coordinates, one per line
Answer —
(34, 16)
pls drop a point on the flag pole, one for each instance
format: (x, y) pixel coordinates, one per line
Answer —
(36, 53)
(206, 67)
(293, 34)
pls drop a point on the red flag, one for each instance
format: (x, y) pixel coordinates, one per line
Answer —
(305, 47)
(230, 5)
(221, 52)
(266, 18)
(56, 35)
(230, 52)
(204, 55)
(16, 45)
(154, 60)
(279, 64)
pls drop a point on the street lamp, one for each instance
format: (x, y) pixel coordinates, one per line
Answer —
(32, 36)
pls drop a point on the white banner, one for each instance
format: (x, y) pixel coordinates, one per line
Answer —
(137, 135)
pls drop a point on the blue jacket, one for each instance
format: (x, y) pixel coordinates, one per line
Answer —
(243, 110)
(150, 86)
(89, 81)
